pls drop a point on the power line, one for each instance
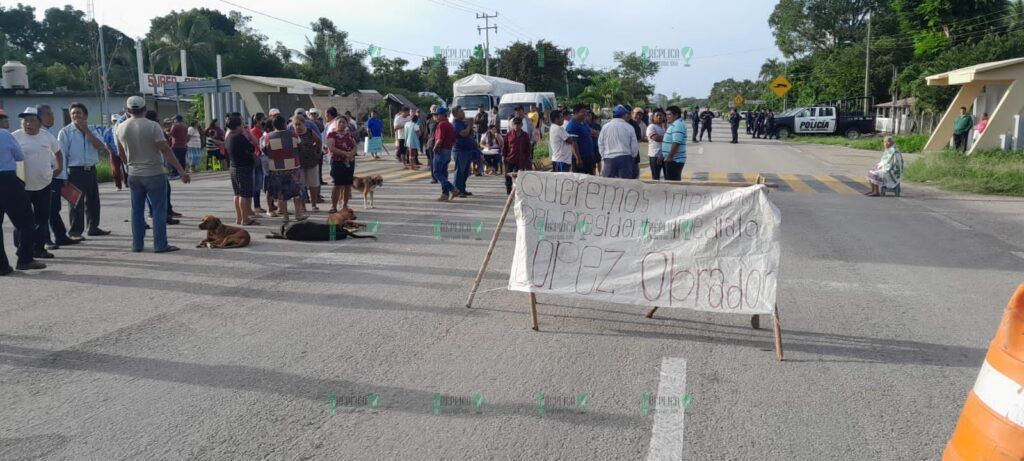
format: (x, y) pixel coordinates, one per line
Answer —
(513, 26)
(961, 23)
(409, 53)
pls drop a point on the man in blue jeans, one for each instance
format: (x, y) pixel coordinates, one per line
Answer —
(444, 139)
(142, 146)
(464, 150)
(14, 203)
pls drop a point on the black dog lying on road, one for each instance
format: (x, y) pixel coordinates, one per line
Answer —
(307, 231)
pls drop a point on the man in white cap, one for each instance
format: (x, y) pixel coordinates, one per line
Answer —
(274, 112)
(38, 170)
(143, 147)
(314, 116)
(617, 144)
(14, 203)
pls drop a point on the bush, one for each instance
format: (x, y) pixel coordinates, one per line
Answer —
(909, 143)
(985, 172)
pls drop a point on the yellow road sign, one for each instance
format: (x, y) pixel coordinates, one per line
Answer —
(781, 85)
(738, 100)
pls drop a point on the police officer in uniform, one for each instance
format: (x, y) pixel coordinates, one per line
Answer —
(734, 125)
(695, 119)
(706, 117)
(770, 126)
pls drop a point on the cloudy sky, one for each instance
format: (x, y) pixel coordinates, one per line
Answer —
(727, 38)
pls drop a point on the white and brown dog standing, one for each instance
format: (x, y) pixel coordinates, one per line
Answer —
(366, 185)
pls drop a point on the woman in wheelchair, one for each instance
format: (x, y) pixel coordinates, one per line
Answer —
(889, 172)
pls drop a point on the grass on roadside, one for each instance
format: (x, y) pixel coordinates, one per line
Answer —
(985, 172)
(907, 143)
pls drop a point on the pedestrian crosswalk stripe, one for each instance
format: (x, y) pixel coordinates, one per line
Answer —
(781, 185)
(795, 184)
(413, 177)
(395, 173)
(857, 186)
(818, 186)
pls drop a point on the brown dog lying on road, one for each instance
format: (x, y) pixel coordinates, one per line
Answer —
(220, 236)
(366, 185)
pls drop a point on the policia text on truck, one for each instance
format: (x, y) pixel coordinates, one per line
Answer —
(826, 118)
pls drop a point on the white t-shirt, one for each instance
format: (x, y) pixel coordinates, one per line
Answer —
(400, 121)
(654, 147)
(560, 151)
(37, 169)
(194, 140)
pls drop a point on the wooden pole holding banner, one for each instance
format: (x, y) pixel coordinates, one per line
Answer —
(533, 310)
(754, 320)
(490, 251)
(777, 327)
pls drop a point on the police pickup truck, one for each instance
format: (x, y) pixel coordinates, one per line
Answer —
(823, 119)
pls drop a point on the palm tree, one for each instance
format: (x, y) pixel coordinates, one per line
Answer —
(770, 69)
(606, 90)
(189, 32)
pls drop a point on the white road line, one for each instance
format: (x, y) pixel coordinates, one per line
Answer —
(700, 150)
(1019, 254)
(951, 221)
(669, 412)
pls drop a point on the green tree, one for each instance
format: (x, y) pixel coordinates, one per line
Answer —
(474, 65)
(771, 68)
(804, 26)
(435, 77)
(636, 73)
(391, 73)
(607, 90)
(331, 60)
(20, 30)
(938, 25)
(522, 62)
(183, 30)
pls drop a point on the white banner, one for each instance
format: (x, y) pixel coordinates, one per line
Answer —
(704, 248)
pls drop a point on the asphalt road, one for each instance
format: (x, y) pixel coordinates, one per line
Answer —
(887, 307)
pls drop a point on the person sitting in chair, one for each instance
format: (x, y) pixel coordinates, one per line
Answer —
(889, 171)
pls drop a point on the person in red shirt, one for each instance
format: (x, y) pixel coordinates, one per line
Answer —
(341, 144)
(179, 139)
(444, 140)
(517, 152)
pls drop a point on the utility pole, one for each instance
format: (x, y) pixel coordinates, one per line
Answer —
(91, 10)
(867, 66)
(785, 99)
(487, 40)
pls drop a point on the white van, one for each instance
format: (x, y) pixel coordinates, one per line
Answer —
(545, 103)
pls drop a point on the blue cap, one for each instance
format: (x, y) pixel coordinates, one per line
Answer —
(619, 111)
(442, 110)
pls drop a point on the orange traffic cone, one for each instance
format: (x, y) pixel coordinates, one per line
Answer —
(992, 424)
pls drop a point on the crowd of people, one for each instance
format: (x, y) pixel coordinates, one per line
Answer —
(279, 159)
(42, 164)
